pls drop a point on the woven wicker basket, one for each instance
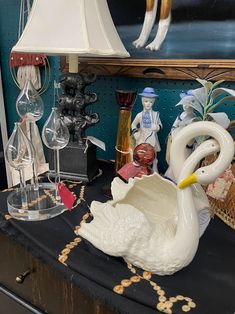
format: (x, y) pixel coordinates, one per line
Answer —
(226, 210)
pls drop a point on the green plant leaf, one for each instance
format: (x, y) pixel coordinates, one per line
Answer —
(208, 105)
(227, 98)
(208, 85)
(220, 91)
(217, 84)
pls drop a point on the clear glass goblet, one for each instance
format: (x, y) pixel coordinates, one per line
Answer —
(30, 107)
(19, 153)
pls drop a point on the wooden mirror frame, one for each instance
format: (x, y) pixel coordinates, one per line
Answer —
(182, 69)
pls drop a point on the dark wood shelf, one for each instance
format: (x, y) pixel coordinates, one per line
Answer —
(181, 69)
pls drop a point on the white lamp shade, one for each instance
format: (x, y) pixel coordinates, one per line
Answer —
(78, 27)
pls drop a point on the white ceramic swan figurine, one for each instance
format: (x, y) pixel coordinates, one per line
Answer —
(133, 225)
(169, 214)
(120, 188)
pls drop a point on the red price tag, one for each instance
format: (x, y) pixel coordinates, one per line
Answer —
(128, 171)
(66, 196)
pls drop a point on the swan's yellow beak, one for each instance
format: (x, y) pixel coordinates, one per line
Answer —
(188, 181)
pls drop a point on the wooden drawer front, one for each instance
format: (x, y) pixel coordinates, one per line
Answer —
(14, 260)
(44, 287)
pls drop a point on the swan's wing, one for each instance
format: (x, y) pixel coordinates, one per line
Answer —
(204, 217)
(115, 229)
(154, 196)
(200, 198)
(119, 188)
(202, 206)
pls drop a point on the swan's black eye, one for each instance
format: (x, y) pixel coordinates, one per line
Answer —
(203, 171)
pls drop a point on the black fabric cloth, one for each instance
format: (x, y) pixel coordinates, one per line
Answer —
(209, 280)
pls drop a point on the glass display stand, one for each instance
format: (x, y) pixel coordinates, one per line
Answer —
(37, 201)
(41, 203)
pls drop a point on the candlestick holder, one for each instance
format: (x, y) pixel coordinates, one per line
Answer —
(125, 100)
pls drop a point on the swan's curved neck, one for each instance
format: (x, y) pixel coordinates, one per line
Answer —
(179, 145)
(187, 233)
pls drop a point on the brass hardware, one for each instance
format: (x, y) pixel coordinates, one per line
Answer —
(20, 279)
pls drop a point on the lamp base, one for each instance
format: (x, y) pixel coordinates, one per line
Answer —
(30, 204)
(76, 162)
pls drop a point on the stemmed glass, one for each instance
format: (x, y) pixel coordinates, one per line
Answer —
(30, 107)
(55, 135)
(20, 153)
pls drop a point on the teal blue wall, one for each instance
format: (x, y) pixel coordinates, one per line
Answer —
(105, 87)
(168, 91)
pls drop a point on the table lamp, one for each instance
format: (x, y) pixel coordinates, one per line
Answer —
(74, 28)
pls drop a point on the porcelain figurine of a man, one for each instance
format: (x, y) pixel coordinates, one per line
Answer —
(147, 123)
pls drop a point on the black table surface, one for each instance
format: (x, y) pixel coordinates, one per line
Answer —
(209, 280)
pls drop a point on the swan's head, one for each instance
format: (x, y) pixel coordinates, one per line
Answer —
(208, 174)
(202, 176)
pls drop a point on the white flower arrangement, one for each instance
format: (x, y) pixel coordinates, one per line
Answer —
(206, 99)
